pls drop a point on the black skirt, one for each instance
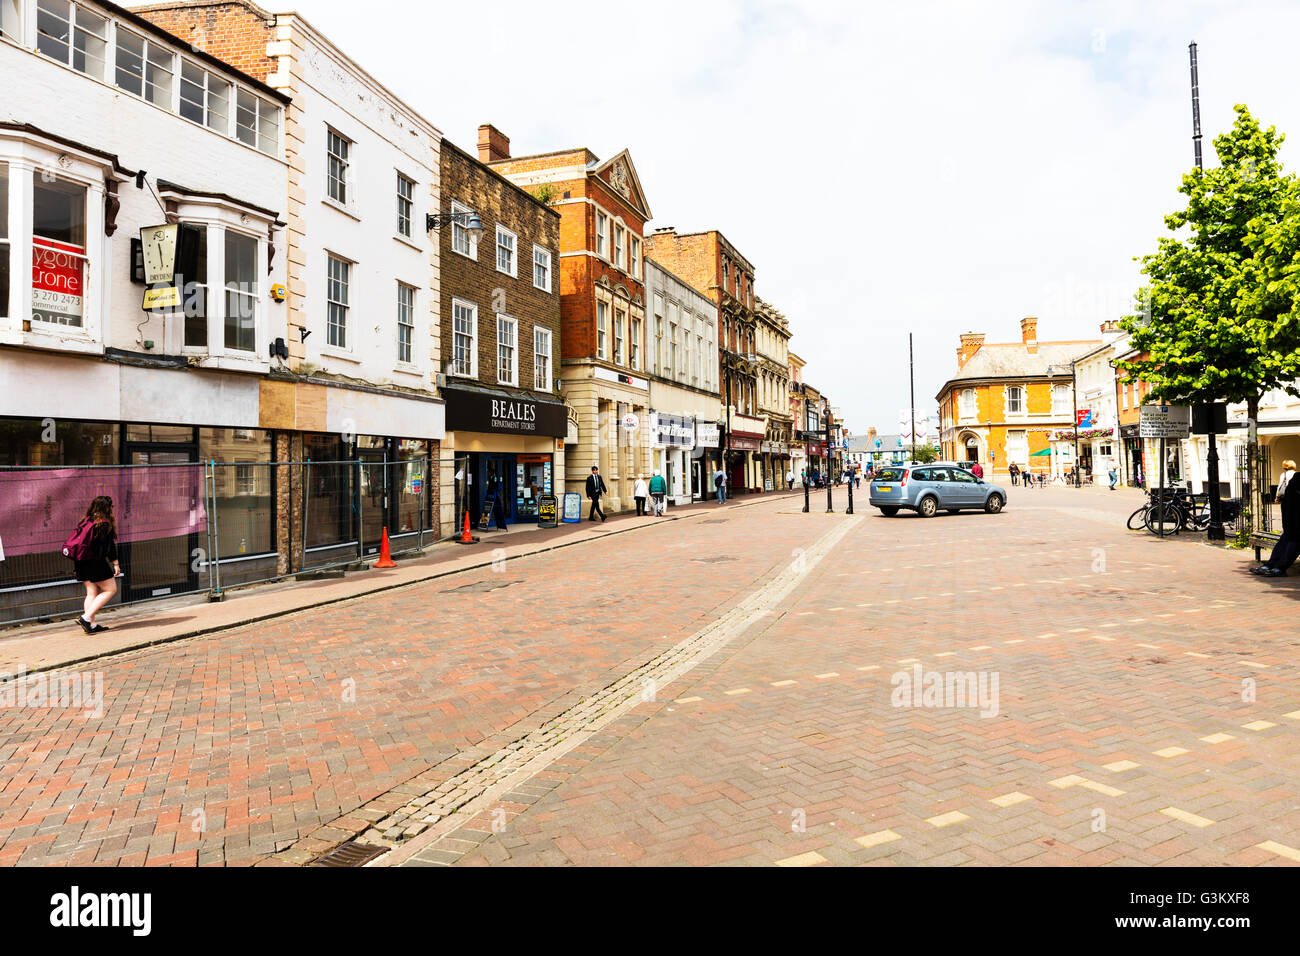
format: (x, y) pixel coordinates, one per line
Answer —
(93, 569)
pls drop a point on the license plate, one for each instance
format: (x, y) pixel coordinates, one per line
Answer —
(884, 487)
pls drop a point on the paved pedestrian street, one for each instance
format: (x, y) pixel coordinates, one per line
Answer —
(735, 687)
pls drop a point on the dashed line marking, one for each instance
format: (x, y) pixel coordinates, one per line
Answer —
(1194, 819)
(739, 690)
(1015, 640)
(981, 647)
(826, 675)
(687, 700)
(869, 667)
(1294, 715)
(1043, 637)
(784, 683)
(1062, 782)
(909, 660)
(1101, 637)
(1119, 766)
(946, 654)
(1281, 849)
(1154, 647)
(1101, 788)
(1194, 654)
(1254, 664)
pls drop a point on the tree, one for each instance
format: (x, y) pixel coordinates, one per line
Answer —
(1218, 318)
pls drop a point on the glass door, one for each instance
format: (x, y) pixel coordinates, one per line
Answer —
(159, 509)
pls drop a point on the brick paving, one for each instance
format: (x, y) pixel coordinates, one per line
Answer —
(1124, 734)
(1121, 663)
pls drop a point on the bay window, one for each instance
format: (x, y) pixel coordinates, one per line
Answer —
(194, 296)
(241, 292)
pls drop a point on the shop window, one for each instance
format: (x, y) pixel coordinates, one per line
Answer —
(35, 441)
(196, 296)
(336, 294)
(205, 97)
(58, 250)
(4, 239)
(542, 360)
(507, 350)
(464, 338)
(241, 292)
(405, 322)
(405, 205)
(244, 486)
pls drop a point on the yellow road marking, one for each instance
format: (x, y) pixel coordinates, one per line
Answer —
(1171, 752)
(803, 859)
(827, 674)
(877, 838)
(947, 819)
(740, 690)
(784, 683)
(1063, 782)
(1281, 849)
(1010, 799)
(688, 700)
(1120, 765)
(1192, 818)
(1259, 725)
(1253, 664)
(1216, 738)
(1101, 788)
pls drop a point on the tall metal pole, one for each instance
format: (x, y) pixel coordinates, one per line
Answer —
(1215, 531)
(1074, 389)
(826, 413)
(911, 391)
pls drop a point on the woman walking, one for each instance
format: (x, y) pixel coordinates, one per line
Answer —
(640, 492)
(99, 565)
(1015, 470)
(1288, 472)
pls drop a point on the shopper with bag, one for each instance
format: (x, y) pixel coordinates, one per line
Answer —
(92, 547)
(659, 492)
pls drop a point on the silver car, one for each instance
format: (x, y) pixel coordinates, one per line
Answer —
(927, 488)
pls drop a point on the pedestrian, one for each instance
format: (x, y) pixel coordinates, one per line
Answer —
(1288, 470)
(640, 493)
(1287, 548)
(789, 478)
(977, 470)
(1113, 476)
(1014, 469)
(720, 485)
(659, 492)
(595, 488)
(93, 549)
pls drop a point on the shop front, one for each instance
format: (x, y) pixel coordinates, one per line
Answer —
(705, 460)
(509, 451)
(742, 451)
(673, 441)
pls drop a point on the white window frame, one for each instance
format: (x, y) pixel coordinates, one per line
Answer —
(265, 114)
(633, 255)
(968, 403)
(544, 265)
(602, 329)
(405, 205)
(634, 325)
(209, 79)
(541, 359)
(512, 247)
(253, 299)
(602, 234)
(619, 232)
(407, 312)
(16, 276)
(470, 310)
(508, 322)
(332, 303)
(458, 232)
(620, 330)
(342, 182)
(75, 32)
(1020, 392)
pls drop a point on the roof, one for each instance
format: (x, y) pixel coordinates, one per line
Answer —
(1013, 361)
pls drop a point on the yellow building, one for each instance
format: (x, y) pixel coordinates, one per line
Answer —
(1007, 400)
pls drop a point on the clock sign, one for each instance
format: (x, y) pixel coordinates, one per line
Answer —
(159, 244)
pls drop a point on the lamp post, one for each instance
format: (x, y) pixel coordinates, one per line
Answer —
(826, 417)
(470, 220)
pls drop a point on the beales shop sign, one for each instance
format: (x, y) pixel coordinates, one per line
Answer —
(479, 412)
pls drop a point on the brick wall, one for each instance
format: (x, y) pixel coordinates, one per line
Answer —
(467, 181)
(234, 32)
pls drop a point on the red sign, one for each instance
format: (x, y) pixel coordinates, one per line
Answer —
(736, 443)
(57, 286)
(1082, 416)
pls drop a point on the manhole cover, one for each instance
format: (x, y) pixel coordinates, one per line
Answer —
(478, 587)
(349, 854)
(716, 559)
(715, 521)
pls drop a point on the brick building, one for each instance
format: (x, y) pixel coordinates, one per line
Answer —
(1007, 400)
(603, 212)
(500, 318)
(773, 381)
(709, 262)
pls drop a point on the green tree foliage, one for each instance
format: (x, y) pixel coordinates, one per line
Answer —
(1218, 318)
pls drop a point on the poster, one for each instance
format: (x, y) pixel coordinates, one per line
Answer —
(548, 511)
(572, 507)
(57, 270)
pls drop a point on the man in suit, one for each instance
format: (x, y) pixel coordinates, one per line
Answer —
(1287, 548)
(595, 488)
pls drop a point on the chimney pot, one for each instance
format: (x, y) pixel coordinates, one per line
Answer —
(492, 144)
(1029, 329)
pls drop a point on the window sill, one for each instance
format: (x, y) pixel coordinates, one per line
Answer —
(403, 369)
(332, 351)
(339, 207)
(236, 362)
(407, 241)
(472, 255)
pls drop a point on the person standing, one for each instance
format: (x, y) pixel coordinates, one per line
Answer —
(789, 479)
(1113, 476)
(1288, 472)
(1014, 469)
(977, 470)
(1287, 548)
(658, 493)
(640, 493)
(99, 566)
(720, 484)
(595, 488)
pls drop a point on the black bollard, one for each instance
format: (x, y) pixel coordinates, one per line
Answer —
(805, 497)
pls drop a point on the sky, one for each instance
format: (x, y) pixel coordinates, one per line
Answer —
(926, 168)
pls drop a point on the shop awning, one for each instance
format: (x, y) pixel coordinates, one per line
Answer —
(1040, 454)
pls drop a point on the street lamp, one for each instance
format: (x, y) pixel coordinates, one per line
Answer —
(826, 417)
(1074, 397)
(470, 220)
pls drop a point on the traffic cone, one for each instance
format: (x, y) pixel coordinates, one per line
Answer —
(385, 556)
(465, 536)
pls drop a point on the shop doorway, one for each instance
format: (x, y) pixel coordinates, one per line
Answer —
(494, 480)
(697, 475)
(157, 566)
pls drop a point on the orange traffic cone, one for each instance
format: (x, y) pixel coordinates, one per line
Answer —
(465, 536)
(385, 556)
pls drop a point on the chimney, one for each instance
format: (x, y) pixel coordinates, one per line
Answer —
(492, 144)
(970, 344)
(1029, 333)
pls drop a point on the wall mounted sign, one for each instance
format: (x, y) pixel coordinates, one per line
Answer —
(707, 434)
(475, 411)
(630, 422)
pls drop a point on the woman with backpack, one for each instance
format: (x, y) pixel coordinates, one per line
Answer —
(93, 548)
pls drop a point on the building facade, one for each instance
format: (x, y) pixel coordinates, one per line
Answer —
(1007, 402)
(603, 212)
(713, 266)
(189, 148)
(500, 317)
(772, 341)
(682, 366)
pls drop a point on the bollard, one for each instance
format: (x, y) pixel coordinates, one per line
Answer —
(805, 497)
(850, 510)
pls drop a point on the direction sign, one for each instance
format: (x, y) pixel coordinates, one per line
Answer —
(1165, 421)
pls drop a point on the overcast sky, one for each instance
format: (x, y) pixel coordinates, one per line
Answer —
(917, 167)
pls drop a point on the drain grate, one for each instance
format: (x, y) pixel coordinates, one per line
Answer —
(479, 587)
(351, 853)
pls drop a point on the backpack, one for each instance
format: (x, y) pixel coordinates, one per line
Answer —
(77, 547)
(717, 480)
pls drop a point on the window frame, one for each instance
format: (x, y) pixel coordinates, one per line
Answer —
(407, 341)
(602, 234)
(513, 247)
(332, 304)
(602, 329)
(542, 251)
(342, 163)
(619, 232)
(508, 321)
(205, 106)
(471, 351)
(405, 215)
(1020, 395)
(620, 342)
(459, 210)
(542, 375)
(75, 31)
(227, 291)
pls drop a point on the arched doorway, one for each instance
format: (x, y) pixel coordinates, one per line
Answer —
(968, 447)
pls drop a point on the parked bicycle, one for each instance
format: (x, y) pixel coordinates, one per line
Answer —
(1178, 509)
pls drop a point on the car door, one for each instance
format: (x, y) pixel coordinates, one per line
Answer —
(949, 490)
(968, 492)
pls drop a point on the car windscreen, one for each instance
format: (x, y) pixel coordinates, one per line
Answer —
(889, 474)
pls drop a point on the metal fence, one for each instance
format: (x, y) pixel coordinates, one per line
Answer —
(207, 526)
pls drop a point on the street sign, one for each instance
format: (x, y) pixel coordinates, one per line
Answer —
(1165, 421)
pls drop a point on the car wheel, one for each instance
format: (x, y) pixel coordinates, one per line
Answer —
(927, 507)
(994, 504)
(889, 510)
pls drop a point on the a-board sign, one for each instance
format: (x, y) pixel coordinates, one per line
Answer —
(1165, 421)
(572, 506)
(489, 504)
(548, 507)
